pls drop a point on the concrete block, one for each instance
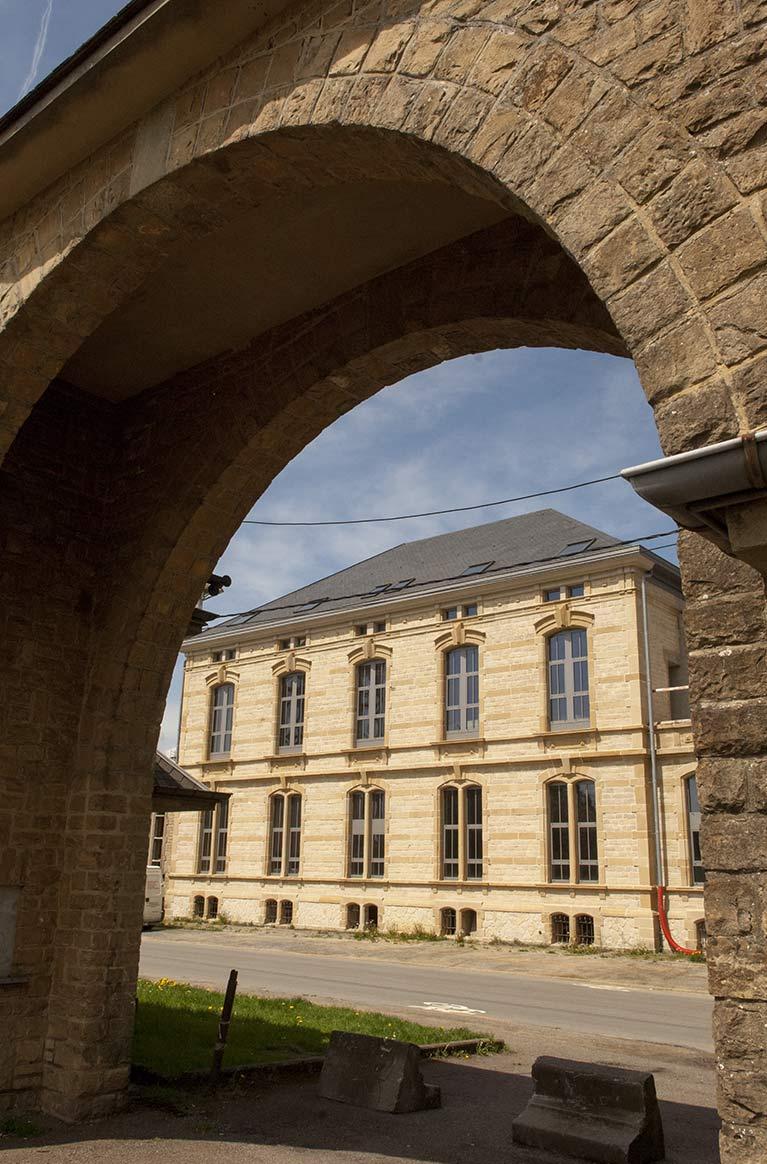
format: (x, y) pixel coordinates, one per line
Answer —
(592, 1112)
(381, 1074)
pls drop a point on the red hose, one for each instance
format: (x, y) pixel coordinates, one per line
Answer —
(663, 918)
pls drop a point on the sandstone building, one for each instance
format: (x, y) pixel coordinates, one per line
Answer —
(451, 735)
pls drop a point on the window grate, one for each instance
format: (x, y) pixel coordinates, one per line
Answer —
(584, 930)
(560, 928)
(447, 922)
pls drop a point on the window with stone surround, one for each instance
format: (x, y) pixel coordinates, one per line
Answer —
(461, 829)
(221, 720)
(692, 805)
(468, 922)
(285, 834)
(353, 916)
(462, 692)
(367, 833)
(214, 839)
(292, 705)
(447, 922)
(560, 928)
(270, 911)
(573, 853)
(584, 930)
(370, 716)
(568, 677)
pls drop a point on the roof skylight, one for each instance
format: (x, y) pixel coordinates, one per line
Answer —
(477, 568)
(578, 547)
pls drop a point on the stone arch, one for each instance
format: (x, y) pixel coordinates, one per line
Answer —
(597, 128)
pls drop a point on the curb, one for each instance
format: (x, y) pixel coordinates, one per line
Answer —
(285, 1068)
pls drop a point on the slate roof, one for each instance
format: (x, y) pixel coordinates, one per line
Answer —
(510, 544)
(175, 790)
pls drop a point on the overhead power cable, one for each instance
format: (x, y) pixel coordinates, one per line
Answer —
(312, 605)
(440, 512)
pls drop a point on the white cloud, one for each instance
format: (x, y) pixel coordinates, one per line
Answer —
(39, 49)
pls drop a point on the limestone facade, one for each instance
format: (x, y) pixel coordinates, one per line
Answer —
(513, 757)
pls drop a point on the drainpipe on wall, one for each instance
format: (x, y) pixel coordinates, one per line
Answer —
(660, 877)
(656, 806)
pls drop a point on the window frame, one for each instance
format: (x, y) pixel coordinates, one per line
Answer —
(213, 835)
(157, 839)
(372, 690)
(366, 835)
(582, 848)
(214, 715)
(692, 817)
(463, 678)
(571, 691)
(293, 725)
(286, 855)
(462, 839)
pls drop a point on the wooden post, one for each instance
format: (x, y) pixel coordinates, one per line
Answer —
(223, 1027)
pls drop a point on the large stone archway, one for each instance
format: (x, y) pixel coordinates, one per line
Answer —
(577, 174)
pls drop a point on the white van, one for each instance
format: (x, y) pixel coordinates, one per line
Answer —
(153, 896)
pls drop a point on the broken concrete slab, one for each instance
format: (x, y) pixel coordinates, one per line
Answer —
(592, 1112)
(381, 1074)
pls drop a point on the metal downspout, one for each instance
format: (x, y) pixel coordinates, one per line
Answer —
(656, 807)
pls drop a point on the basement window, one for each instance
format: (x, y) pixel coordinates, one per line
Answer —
(584, 930)
(560, 929)
(447, 922)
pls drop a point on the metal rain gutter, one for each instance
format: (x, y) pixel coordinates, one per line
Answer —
(694, 488)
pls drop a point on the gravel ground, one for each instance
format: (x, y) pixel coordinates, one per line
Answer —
(286, 1123)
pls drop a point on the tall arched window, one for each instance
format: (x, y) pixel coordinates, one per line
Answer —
(214, 839)
(370, 723)
(367, 833)
(285, 834)
(572, 850)
(462, 691)
(292, 700)
(692, 805)
(462, 856)
(221, 720)
(568, 679)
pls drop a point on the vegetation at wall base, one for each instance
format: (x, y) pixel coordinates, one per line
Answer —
(176, 1027)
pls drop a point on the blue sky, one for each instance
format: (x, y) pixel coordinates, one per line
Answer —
(471, 430)
(467, 431)
(36, 35)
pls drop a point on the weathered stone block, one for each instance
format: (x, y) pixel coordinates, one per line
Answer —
(592, 1112)
(381, 1074)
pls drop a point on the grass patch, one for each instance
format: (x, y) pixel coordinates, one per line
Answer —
(19, 1127)
(176, 1027)
(393, 934)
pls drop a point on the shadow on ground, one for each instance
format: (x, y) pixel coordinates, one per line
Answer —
(288, 1122)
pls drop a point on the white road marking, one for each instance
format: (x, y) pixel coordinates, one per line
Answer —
(604, 986)
(446, 1008)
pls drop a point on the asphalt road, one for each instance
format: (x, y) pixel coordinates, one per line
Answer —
(455, 997)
